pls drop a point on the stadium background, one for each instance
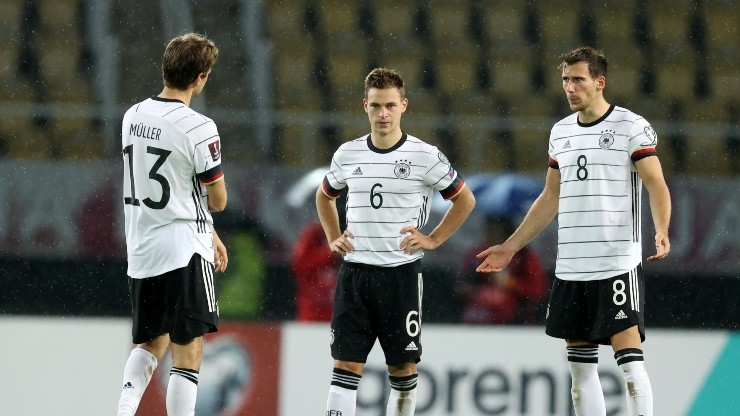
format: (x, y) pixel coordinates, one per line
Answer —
(287, 89)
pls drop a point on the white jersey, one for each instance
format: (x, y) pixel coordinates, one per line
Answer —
(600, 192)
(170, 152)
(388, 189)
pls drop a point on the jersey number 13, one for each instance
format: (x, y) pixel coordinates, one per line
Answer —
(153, 175)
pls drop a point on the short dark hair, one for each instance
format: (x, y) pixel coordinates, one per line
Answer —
(382, 78)
(186, 57)
(595, 59)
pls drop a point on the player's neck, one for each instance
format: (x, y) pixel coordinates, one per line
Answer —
(386, 141)
(174, 94)
(594, 111)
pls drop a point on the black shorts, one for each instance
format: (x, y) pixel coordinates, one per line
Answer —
(383, 303)
(181, 302)
(595, 310)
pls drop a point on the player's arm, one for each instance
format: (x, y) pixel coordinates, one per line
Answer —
(217, 195)
(543, 211)
(462, 205)
(651, 173)
(326, 207)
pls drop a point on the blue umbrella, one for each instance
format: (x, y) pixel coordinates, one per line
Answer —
(500, 194)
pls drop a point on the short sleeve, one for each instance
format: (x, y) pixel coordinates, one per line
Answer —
(207, 156)
(334, 181)
(442, 176)
(643, 140)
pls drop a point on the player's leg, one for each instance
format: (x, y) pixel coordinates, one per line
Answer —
(352, 338)
(192, 312)
(182, 387)
(147, 333)
(402, 399)
(400, 333)
(627, 343)
(138, 371)
(628, 353)
(345, 378)
(586, 392)
(567, 318)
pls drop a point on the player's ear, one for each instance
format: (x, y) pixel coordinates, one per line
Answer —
(600, 82)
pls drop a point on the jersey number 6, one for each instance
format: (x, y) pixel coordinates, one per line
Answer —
(153, 175)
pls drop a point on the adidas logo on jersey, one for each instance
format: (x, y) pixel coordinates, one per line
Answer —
(567, 145)
(621, 315)
(128, 385)
(357, 171)
(411, 347)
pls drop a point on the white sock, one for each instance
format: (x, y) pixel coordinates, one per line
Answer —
(342, 399)
(182, 390)
(402, 400)
(136, 375)
(636, 382)
(588, 398)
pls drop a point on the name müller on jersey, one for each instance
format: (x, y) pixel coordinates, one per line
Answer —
(388, 189)
(600, 193)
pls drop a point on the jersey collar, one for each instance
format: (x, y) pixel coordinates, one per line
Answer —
(593, 123)
(167, 100)
(400, 143)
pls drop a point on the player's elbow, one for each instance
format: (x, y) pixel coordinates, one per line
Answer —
(217, 204)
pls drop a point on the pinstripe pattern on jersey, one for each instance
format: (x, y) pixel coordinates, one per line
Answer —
(200, 214)
(388, 189)
(600, 203)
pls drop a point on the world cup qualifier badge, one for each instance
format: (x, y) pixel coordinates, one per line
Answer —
(443, 158)
(651, 135)
(402, 169)
(215, 148)
(607, 139)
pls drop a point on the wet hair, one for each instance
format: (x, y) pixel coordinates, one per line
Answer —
(382, 78)
(595, 59)
(186, 57)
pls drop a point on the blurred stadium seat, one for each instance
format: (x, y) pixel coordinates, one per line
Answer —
(519, 48)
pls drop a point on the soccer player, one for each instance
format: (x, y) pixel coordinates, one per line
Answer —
(172, 179)
(599, 158)
(390, 177)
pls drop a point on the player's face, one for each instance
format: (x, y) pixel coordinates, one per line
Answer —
(384, 108)
(581, 89)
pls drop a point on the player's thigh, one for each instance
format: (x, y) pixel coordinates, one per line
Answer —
(399, 303)
(567, 311)
(353, 328)
(617, 305)
(149, 311)
(191, 304)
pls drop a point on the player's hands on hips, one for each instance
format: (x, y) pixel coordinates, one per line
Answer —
(415, 240)
(342, 245)
(662, 247)
(495, 258)
(220, 256)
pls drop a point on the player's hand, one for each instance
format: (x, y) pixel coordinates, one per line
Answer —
(220, 255)
(495, 258)
(662, 247)
(342, 245)
(415, 240)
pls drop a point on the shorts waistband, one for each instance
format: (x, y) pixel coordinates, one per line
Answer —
(414, 264)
